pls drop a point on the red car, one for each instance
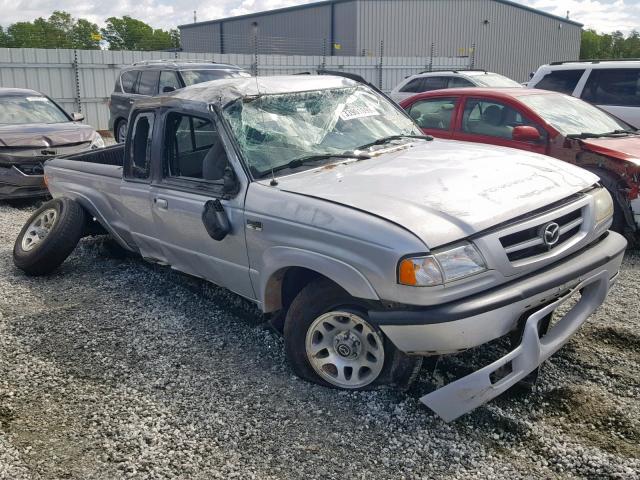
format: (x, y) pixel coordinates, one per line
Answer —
(545, 122)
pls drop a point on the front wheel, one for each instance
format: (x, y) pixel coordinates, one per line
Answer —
(330, 341)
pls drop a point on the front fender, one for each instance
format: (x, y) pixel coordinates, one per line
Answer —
(277, 260)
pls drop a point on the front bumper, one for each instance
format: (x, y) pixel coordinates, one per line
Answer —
(484, 317)
(16, 184)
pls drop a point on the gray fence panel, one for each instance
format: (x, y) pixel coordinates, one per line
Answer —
(87, 85)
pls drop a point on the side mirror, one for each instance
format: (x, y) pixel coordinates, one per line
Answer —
(77, 117)
(167, 89)
(215, 220)
(526, 133)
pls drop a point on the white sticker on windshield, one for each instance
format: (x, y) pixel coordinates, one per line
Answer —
(36, 99)
(351, 112)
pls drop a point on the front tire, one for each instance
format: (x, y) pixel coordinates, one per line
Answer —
(330, 341)
(49, 236)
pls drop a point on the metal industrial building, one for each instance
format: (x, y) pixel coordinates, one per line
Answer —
(503, 36)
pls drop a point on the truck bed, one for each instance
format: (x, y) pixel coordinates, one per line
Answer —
(112, 155)
(102, 161)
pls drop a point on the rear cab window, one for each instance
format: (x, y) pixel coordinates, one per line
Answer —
(137, 164)
(614, 86)
(563, 81)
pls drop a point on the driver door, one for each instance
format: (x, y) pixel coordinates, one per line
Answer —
(195, 165)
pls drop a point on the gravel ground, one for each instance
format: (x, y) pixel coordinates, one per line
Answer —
(120, 369)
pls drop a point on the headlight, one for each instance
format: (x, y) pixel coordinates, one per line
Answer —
(97, 141)
(441, 267)
(602, 204)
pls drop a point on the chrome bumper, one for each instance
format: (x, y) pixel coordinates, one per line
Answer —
(471, 391)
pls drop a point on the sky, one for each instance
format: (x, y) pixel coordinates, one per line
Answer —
(602, 15)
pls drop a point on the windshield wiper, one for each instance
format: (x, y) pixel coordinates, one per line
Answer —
(600, 135)
(299, 162)
(390, 138)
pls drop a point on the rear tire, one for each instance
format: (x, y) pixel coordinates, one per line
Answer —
(49, 236)
(330, 341)
(120, 132)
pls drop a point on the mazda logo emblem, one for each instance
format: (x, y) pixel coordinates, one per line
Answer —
(550, 234)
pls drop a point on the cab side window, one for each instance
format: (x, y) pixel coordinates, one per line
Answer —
(619, 86)
(138, 161)
(563, 81)
(413, 86)
(433, 113)
(128, 80)
(493, 119)
(148, 82)
(168, 82)
(194, 149)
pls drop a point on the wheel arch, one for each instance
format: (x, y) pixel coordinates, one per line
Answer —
(289, 270)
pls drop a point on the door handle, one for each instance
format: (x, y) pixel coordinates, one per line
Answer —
(161, 203)
(131, 100)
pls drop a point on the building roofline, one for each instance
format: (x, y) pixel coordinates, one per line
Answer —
(540, 12)
(329, 2)
(267, 12)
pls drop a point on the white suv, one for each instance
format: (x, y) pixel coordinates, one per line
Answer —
(613, 85)
(427, 81)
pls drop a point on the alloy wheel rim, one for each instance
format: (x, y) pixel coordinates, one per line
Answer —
(344, 349)
(38, 229)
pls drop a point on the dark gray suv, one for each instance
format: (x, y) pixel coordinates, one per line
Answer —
(153, 77)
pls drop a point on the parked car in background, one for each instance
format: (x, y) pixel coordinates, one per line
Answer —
(545, 122)
(34, 128)
(153, 77)
(428, 81)
(370, 244)
(613, 85)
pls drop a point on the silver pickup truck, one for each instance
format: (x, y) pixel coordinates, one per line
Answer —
(374, 246)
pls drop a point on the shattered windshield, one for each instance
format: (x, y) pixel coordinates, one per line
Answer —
(274, 130)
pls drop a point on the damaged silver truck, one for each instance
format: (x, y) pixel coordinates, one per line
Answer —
(373, 245)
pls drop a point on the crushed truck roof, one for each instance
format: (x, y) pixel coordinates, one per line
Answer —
(221, 92)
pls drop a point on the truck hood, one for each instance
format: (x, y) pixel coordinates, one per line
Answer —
(624, 148)
(444, 191)
(44, 135)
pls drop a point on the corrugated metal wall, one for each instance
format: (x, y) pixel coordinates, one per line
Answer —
(507, 39)
(53, 72)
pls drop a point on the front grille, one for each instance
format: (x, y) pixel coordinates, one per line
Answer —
(529, 242)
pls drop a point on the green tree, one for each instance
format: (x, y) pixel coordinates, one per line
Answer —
(85, 35)
(128, 33)
(4, 38)
(609, 45)
(60, 30)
